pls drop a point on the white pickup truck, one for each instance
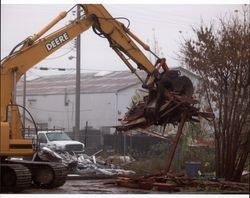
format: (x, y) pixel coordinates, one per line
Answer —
(58, 140)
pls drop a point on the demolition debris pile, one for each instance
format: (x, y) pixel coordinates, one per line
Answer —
(172, 107)
(175, 183)
(83, 165)
(90, 166)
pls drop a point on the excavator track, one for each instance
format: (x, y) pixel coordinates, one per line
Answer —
(14, 178)
(45, 174)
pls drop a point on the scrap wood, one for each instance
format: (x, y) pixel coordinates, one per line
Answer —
(142, 115)
(136, 111)
(165, 187)
(174, 183)
(181, 181)
(223, 186)
(235, 186)
(226, 185)
(127, 184)
(152, 133)
(145, 185)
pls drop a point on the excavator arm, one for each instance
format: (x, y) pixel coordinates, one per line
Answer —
(118, 36)
(169, 99)
(36, 48)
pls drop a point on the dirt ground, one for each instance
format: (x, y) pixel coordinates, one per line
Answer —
(107, 186)
(90, 186)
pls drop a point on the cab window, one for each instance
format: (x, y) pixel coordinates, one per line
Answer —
(42, 138)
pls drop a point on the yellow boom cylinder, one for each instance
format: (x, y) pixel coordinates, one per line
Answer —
(47, 27)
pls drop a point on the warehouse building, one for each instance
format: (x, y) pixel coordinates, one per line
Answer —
(105, 96)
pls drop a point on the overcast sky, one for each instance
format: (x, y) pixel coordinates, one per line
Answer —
(166, 24)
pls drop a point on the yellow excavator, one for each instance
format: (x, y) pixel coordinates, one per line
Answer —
(20, 174)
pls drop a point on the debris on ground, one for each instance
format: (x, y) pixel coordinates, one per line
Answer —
(89, 166)
(119, 160)
(83, 165)
(176, 183)
(245, 176)
(171, 108)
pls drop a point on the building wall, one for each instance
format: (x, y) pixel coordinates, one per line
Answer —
(125, 99)
(99, 109)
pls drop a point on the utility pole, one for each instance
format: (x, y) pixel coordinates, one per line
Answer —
(78, 82)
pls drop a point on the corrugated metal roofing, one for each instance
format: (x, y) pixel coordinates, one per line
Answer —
(98, 82)
(90, 83)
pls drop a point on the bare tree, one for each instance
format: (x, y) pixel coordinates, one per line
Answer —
(220, 54)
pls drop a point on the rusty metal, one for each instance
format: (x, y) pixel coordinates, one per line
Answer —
(152, 133)
(176, 110)
(175, 142)
(142, 116)
(172, 183)
(168, 107)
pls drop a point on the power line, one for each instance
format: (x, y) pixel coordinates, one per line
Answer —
(72, 69)
(60, 55)
(34, 74)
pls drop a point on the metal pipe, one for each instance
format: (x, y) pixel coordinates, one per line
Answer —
(48, 27)
(14, 87)
(175, 142)
(132, 69)
(24, 99)
(145, 46)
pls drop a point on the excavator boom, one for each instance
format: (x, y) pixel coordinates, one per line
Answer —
(35, 49)
(169, 99)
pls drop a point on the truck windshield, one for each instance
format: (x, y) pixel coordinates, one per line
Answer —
(57, 136)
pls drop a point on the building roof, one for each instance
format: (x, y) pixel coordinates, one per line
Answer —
(185, 71)
(100, 82)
